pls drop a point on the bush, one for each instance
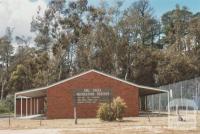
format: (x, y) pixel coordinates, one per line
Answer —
(113, 111)
(3, 107)
(7, 105)
(104, 112)
(119, 107)
(10, 102)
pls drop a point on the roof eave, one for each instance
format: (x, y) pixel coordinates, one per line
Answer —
(81, 74)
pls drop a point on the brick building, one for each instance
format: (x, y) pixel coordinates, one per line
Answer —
(57, 100)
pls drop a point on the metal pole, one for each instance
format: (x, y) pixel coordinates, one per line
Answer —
(186, 112)
(168, 106)
(159, 103)
(168, 103)
(145, 103)
(152, 102)
(196, 92)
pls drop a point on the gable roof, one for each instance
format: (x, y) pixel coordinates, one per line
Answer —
(42, 90)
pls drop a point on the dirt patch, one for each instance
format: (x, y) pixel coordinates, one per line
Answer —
(32, 131)
(135, 125)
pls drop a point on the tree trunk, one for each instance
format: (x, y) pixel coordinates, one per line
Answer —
(2, 88)
(126, 75)
(60, 72)
(128, 62)
(116, 65)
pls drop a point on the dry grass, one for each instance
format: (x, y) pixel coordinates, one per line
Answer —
(136, 125)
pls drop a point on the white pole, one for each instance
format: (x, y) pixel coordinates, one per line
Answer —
(145, 103)
(37, 106)
(26, 106)
(31, 106)
(34, 105)
(21, 106)
(186, 112)
(15, 105)
(196, 93)
(159, 103)
(168, 107)
(168, 103)
(152, 103)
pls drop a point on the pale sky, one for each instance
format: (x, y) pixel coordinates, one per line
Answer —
(18, 13)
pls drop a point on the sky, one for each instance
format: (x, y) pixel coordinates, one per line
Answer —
(160, 6)
(18, 13)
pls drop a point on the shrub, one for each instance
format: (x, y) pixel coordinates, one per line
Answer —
(113, 111)
(3, 107)
(105, 112)
(119, 107)
(10, 102)
(7, 105)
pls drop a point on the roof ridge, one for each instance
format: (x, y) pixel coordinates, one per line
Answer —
(86, 72)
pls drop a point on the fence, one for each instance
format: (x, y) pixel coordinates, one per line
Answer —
(188, 89)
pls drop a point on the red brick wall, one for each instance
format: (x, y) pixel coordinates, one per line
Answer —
(60, 97)
(34, 102)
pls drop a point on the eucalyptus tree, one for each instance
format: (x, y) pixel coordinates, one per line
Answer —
(58, 32)
(138, 30)
(6, 52)
(194, 30)
(175, 28)
(97, 49)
